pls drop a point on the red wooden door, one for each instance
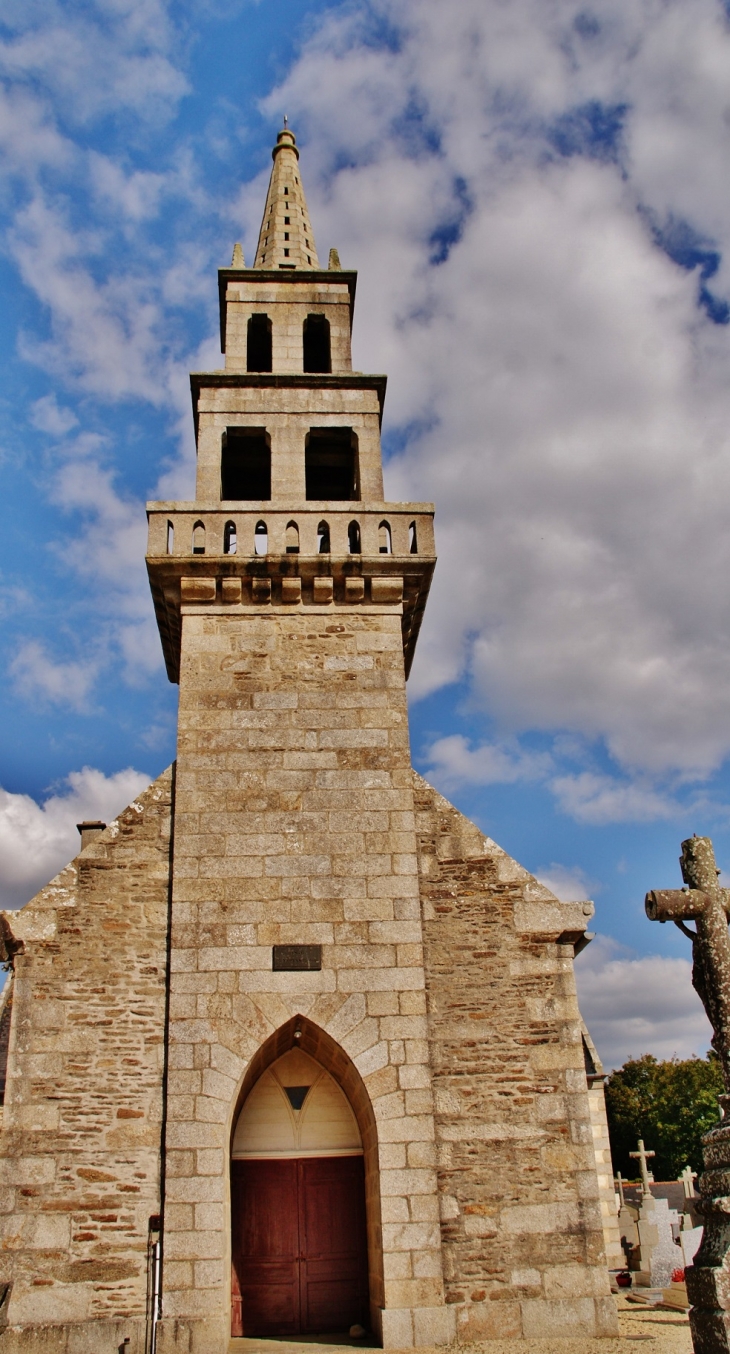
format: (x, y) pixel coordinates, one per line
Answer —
(299, 1246)
(265, 1246)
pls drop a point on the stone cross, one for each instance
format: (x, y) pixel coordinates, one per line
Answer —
(688, 1178)
(646, 1175)
(705, 903)
(619, 1183)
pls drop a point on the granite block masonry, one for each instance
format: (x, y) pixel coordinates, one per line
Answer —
(292, 884)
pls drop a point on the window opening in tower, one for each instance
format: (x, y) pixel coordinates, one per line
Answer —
(258, 343)
(246, 465)
(317, 355)
(330, 464)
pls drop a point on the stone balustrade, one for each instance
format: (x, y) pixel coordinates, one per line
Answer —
(172, 525)
(265, 555)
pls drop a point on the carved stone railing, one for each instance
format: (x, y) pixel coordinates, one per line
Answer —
(322, 555)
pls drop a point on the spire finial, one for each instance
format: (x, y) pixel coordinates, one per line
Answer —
(286, 239)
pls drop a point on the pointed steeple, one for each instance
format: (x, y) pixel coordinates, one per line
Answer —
(286, 239)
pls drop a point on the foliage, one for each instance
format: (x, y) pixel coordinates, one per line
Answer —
(668, 1104)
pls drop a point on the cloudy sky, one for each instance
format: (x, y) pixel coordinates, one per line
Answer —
(535, 195)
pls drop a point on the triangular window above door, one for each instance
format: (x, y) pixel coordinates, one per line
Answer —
(296, 1095)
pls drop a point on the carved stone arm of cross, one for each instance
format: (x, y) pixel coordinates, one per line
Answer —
(705, 903)
(682, 904)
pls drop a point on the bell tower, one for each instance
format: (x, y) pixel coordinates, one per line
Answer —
(289, 597)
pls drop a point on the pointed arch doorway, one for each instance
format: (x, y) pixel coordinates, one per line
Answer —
(298, 1228)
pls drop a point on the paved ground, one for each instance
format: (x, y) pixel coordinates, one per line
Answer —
(662, 1332)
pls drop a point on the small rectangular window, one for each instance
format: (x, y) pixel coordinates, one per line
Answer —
(246, 465)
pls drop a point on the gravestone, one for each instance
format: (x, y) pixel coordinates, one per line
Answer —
(660, 1255)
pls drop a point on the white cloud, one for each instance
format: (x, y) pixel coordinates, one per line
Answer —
(107, 550)
(568, 882)
(566, 399)
(38, 676)
(641, 1005)
(28, 137)
(587, 796)
(599, 799)
(103, 333)
(106, 58)
(37, 840)
(137, 194)
(47, 415)
(452, 764)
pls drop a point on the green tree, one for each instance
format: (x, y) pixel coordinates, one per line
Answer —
(668, 1104)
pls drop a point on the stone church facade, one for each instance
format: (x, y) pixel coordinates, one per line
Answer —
(291, 1044)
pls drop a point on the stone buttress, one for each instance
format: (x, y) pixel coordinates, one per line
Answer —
(436, 986)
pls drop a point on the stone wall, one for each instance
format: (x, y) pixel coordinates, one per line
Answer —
(287, 410)
(615, 1258)
(287, 311)
(521, 1223)
(294, 825)
(80, 1147)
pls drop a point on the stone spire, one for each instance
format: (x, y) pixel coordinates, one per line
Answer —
(286, 239)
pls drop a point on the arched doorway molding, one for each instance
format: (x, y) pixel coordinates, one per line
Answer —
(300, 1032)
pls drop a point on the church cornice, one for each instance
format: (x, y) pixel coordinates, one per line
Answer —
(243, 380)
(289, 276)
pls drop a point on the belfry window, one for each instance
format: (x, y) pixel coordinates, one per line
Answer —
(229, 538)
(258, 343)
(199, 538)
(316, 339)
(246, 465)
(353, 538)
(323, 539)
(330, 464)
(385, 540)
(292, 538)
(261, 539)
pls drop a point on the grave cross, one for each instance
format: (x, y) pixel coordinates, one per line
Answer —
(688, 1178)
(646, 1175)
(705, 903)
(619, 1183)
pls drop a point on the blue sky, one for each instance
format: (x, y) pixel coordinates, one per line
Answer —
(534, 197)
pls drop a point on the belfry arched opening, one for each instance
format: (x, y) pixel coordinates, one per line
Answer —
(298, 1228)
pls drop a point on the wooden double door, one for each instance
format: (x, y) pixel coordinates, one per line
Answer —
(299, 1246)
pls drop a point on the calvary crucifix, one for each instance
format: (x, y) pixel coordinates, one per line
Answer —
(708, 906)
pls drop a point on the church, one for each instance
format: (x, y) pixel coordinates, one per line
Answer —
(291, 1048)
